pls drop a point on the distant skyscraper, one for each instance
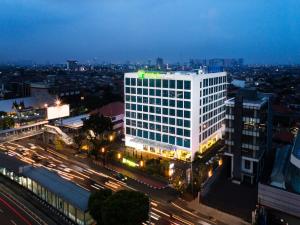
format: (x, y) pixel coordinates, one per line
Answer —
(174, 114)
(159, 63)
(72, 65)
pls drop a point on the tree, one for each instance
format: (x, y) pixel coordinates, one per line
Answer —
(98, 124)
(125, 208)
(96, 203)
(78, 140)
(6, 123)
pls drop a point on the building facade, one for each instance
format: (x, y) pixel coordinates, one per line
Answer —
(247, 134)
(174, 114)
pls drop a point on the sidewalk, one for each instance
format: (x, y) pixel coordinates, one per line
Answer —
(212, 213)
(139, 177)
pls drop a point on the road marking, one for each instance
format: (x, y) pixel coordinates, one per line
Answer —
(1, 211)
(13, 222)
(15, 211)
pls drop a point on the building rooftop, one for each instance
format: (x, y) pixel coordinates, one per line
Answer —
(66, 190)
(10, 162)
(74, 122)
(110, 110)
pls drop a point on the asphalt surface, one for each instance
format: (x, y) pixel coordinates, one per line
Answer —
(12, 214)
(163, 210)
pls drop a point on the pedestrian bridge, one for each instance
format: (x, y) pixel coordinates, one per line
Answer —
(34, 129)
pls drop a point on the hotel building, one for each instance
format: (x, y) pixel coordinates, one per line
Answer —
(174, 114)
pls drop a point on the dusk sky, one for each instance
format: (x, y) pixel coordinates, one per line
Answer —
(260, 31)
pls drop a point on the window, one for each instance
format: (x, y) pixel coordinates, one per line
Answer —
(180, 104)
(145, 82)
(145, 91)
(127, 90)
(158, 101)
(179, 122)
(145, 134)
(179, 84)
(165, 111)
(179, 94)
(151, 92)
(172, 121)
(165, 84)
(187, 95)
(165, 102)
(247, 164)
(139, 91)
(179, 113)
(179, 131)
(152, 82)
(186, 143)
(187, 85)
(151, 135)
(172, 84)
(158, 93)
(179, 141)
(158, 119)
(165, 120)
(172, 103)
(165, 138)
(158, 127)
(172, 112)
(172, 140)
(187, 105)
(187, 133)
(165, 93)
(133, 81)
(187, 123)
(127, 81)
(158, 137)
(158, 83)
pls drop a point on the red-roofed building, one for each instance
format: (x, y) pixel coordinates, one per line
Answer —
(115, 111)
(284, 137)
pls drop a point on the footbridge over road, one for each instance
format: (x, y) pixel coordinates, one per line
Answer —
(39, 128)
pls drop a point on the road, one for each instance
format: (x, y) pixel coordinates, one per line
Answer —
(12, 213)
(163, 209)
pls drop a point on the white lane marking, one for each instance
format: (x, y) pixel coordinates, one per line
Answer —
(1, 211)
(13, 222)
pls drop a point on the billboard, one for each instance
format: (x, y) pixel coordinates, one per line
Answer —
(55, 112)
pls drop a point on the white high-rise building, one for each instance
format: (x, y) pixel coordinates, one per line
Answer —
(174, 114)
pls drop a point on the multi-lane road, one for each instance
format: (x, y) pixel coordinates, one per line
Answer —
(163, 210)
(12, 213)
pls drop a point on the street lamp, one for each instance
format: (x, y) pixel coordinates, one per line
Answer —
(119, 155)
(102, 150)
(141, 163)
(57, 102)
(46, 105)
(111, 138)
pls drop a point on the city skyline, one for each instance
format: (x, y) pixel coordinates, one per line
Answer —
(53, 31)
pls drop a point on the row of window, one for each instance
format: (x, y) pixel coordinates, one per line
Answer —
(168, 139)
(211, 130)
(156, 109)
(159, 93)
(146, 116)
(213, 81)
(213, 113)
(209, 99)
(161, 125)
(212, 121)
(159, 83)
(211, 90)
(213, 105)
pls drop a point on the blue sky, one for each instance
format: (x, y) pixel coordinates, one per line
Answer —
(261, 31)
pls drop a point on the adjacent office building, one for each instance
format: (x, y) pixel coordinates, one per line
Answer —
(174, 114)
(248, 134)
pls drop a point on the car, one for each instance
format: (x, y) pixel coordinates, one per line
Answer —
(121, 177)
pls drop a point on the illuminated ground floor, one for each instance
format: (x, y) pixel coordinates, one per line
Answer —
(170, 151)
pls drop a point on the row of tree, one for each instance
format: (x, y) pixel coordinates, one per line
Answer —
(120, 208)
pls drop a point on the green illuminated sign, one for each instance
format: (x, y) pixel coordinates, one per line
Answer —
(129, 162)
(150, 75)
